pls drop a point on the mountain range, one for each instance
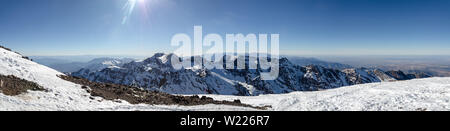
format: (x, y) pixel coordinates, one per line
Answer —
(157, 73)
(94, 64)
(27, 85)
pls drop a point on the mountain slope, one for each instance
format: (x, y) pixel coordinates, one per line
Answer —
(59, 94)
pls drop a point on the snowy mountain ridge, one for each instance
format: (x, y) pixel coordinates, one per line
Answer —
(99, 64)
(157, 73)
(63, 65)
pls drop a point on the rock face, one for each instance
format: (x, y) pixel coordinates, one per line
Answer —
(157, 73)
(400, 75)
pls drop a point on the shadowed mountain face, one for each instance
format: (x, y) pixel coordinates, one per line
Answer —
(157, 73)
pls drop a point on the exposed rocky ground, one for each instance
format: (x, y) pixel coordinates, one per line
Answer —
(5, 48)
(11, 85)
(135, 95)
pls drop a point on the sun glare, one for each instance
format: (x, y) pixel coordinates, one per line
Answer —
(132, 6)
(129, 7)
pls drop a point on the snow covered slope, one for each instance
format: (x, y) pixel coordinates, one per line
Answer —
(64, 95)
(431, 94)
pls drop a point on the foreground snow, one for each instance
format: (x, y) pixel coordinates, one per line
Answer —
(419, 94)
(429, 94)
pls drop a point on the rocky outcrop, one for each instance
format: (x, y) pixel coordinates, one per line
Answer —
(11, 85)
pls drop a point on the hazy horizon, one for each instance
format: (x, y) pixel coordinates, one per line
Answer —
(344, 59)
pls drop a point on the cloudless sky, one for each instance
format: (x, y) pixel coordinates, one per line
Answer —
(306, 27)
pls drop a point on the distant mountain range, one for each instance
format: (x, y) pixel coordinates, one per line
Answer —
(435, 65)
(156, 73)
(75, 63)
(95, 64)
(305, 61)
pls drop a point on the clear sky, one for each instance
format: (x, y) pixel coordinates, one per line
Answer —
(306, 27)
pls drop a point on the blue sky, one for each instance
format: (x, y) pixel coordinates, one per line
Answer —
(306, 27)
